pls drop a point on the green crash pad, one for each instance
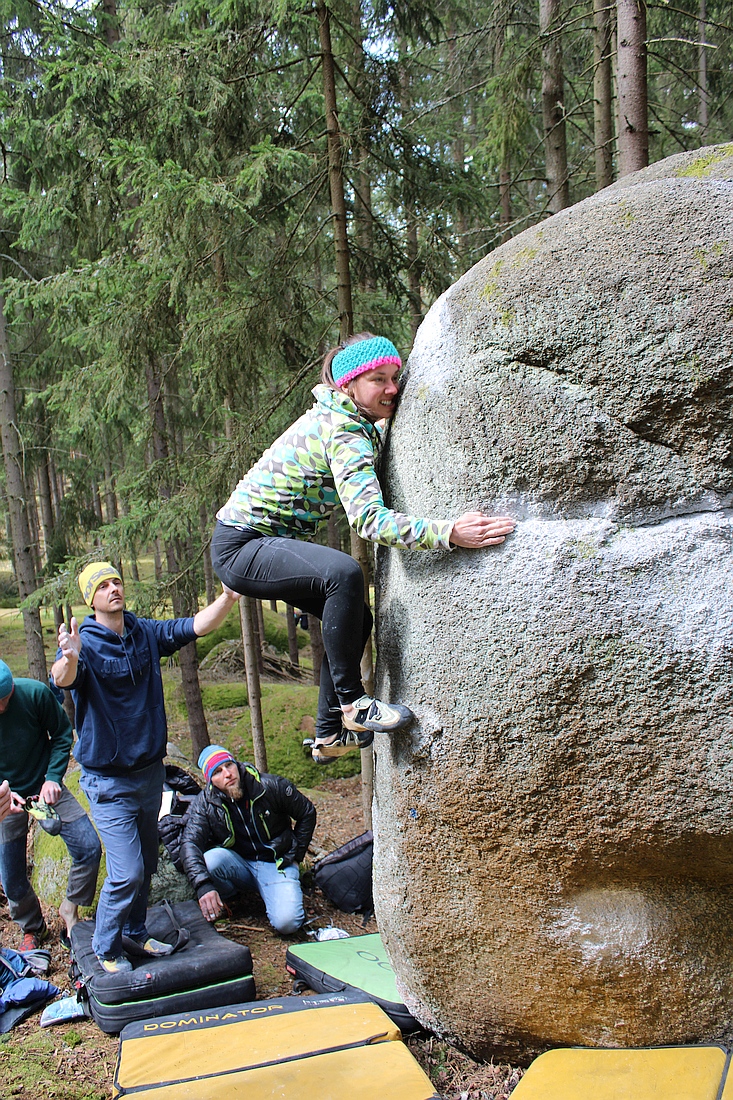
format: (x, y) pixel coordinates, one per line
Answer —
(357, 963)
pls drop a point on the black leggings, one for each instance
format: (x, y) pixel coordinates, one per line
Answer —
(316, 579)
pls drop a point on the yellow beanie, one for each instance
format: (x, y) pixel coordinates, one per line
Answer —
(91, 578)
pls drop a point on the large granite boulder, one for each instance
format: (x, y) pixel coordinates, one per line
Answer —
(554, 835)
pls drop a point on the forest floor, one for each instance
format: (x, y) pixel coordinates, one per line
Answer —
(75, 1061)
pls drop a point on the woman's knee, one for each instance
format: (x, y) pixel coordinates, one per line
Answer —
(346, 576)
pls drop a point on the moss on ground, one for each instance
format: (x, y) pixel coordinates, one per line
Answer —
(287, 714)
(45, 1064)
(224, 696)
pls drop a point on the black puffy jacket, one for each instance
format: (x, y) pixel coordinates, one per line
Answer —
(271, 803)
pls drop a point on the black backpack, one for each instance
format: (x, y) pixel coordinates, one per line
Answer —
(345, 876)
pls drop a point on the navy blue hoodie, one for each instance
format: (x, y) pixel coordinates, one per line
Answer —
(118, 692)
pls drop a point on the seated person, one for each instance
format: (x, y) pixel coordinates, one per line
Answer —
(239, 835)
(35, 743)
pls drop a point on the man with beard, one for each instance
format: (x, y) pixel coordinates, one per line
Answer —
(239, 835)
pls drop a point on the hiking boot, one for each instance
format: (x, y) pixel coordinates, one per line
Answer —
(119, 965)
(373, 714)
(33, 940)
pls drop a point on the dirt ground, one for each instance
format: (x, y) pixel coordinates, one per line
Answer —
(76, 1061)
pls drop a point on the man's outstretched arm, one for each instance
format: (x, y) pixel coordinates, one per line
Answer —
(211, 617)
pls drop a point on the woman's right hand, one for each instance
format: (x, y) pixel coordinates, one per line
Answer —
(474, 529)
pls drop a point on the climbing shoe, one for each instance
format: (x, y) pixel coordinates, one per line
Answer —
(120, 965)
(46, 816)
(326, 751)
(373, 714)
(149, 947)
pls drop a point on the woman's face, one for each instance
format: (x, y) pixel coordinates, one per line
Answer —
(375, 392)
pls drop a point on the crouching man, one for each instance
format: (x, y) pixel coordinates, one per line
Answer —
(240, 835)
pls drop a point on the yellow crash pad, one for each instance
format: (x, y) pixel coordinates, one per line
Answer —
(655, 1073)
(318, 1048)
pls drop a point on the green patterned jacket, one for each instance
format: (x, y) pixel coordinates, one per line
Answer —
(326, 456)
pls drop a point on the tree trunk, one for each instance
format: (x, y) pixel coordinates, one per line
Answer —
(317, 650)
(260, 631)
(633, 123)
(47, 516)
(17, 507)
(109, 22)
(335, 174)
(505, 201)
(702, 72)
(292, 635)
(132, 556)
(412, 245)
(332, 533)
(33, 524)
(183, 603)
(363, 216)
(251, 665)
(361, 551)
(209, 575)
(553, 107)
(458, 143)
(602, 93)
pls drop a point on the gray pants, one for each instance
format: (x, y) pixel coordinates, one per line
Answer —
(83, 845)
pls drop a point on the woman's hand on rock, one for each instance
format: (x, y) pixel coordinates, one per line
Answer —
(474, 529)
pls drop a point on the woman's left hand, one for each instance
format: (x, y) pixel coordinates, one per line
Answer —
(474, 529)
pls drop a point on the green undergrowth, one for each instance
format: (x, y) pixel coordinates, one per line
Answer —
(287, 713)
(224, 696)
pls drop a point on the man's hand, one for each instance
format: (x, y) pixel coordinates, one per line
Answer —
(4, 799)
(211, 905)
(64, 667)
(474, 529)
(50, 792)
(17, 803)
(70, 640)
(233, 596)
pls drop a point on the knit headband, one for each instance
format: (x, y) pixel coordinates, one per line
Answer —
(212, 757)
(91, 578)
(353, 360)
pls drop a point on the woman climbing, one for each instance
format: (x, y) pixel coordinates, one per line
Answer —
(261, 544)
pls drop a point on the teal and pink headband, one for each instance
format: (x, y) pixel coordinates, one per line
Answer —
(369, 354)
(212, 757)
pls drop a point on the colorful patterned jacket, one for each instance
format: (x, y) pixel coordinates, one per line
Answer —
(326, 456)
